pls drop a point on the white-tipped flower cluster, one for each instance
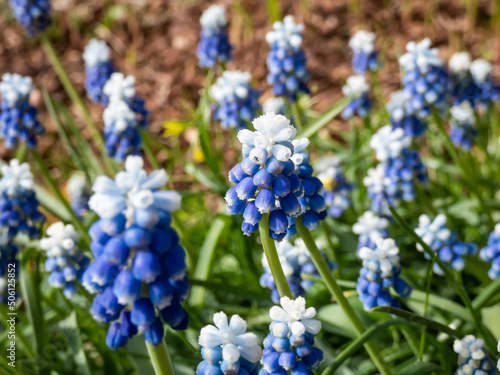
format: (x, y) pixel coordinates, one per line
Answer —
(296, 316)
(214, 17)
(389, 143)
(119, 87)
(420, 56)
(275, 104)
(16, 176)
(480, 70)
(386, 254)
(272, 136)
(396, 107)
(119, 117)
(356, 85)
(363, 41)
(430, 231)
(286, 34)
(473, 357)
(376, 180)
(463, 113)
(370, 225)
(61, 240)
(15, 88)
(231, 83)
(460, 62)
(96, 52)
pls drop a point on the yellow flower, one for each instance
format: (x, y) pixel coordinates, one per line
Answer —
(173, 128)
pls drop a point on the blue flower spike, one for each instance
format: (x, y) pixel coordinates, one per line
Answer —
(79, 193)
(227, 348)
(364, 53)
(65, 261)
(381, 271)
(491, 253)
(379, 191)
(360, 105)
(463, 86)
(214, 46)
(236, 101)
(140, 267)
(287, 61)
(33, 15)
(18, 119)
(400, 117)
(369, 228)
(444, 242)
(98, 69)
(487, 91)
(463, 131)
(473, 357)
(336, 189)
(290, 344)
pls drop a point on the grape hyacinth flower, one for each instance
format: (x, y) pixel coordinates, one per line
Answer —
(463, 131)
(369, 228)
(18, 119)
(79, 194)
(19, 208)
(214, 46)
(444, 242)
(402, 164)
(401, 118)
(487, 90)
(227, 348)
(33, 15)
(8, 269)
(287, 61)
(491, 253)
(336, 189)
(65, 261)
(296, 263)
(289, 345)
(364, 56)
(276, 105)
(463, 85)
(139, 269)
(98, 69)
(426, 81)
(236, 101)
(265, 180)
(381, 270)
(360, 104)
(380, 191)
(473, 357)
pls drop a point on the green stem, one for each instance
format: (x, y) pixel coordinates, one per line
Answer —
(146, 145)
(273, 259)
(426, 305)
(160, 358)
(57, 191)
(297, 115)
(330, 248)
(336, 291)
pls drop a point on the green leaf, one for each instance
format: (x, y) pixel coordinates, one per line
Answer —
(51, 204)
(325, 118)
(483, 297)
(419, 319)
(420, 368)
(71, 327)
(441, 303)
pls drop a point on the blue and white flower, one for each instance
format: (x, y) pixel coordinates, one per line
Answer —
(33, 15)
(236, 101)
(214, 46)
(444, 242)
(381, 271)
(276, 105)
(360, 90)
(336, 189)
(364, 57)
(65, 261)
(289, 345)
(400, 117)
(426, 81)
(463, 85)
(491, 253)
(79, 193)
(473, 357)
(287, 61)
(18, 119)
(370, 227)
(380, 191)
(98, 69)
(487, 90)
(463, 131)
(139, 261)
(227, 348)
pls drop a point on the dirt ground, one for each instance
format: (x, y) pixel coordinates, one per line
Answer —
(156, 42)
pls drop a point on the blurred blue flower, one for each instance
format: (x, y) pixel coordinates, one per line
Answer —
(381, 271)
(290, 344)
(276, 105)
(361, 103)
(397, 108)
(98, 69)
(79, 194)
(336, 189)
(18, 119)
(444, 242)
(369, 228)
(139, 261)
(19, 208)
(491, 253)
(463, 85)
(33, 15)
(287, 61)
(381, 192)
(473, 357)
(8, 270)
(65, 261)
(227, 348)
(426, 81)
(364, 56)
(214, 46)
(236, 101)
(487, 90)
(463, 131)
